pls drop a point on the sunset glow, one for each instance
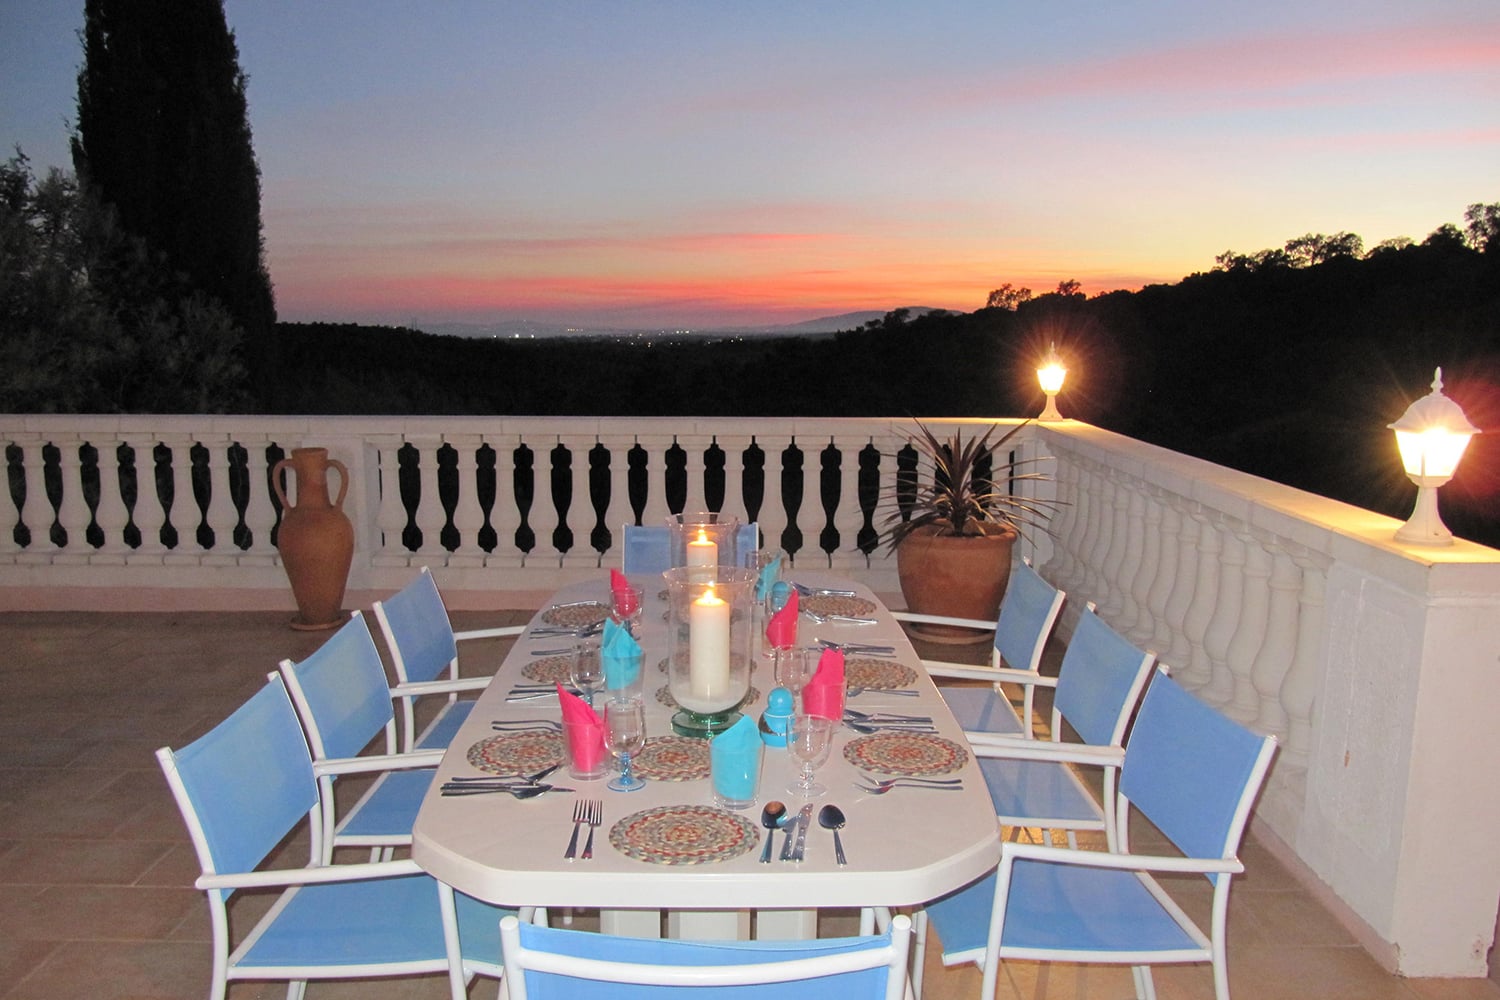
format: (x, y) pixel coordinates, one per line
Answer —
(674, 164)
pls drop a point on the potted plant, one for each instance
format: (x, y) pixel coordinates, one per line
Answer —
(953, 532)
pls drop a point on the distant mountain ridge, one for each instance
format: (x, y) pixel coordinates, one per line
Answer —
(525, 329)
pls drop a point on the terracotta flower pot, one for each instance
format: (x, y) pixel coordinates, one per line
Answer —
(316, 539)
(962, 577)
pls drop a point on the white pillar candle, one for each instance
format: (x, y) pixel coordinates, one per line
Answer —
(702, 558)
(708, 647)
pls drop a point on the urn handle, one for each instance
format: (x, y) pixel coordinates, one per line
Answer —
(289, 463)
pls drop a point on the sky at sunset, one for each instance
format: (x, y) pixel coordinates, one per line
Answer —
(711, 164)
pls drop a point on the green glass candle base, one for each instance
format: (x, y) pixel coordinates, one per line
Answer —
(703, 725)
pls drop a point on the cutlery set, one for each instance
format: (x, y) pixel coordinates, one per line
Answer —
(588, 812)
(876, 722)
(880, 786)
(522, 786)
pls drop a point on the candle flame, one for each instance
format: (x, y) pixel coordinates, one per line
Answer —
(702, 535)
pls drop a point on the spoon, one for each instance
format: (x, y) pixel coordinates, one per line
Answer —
(831, 817)
(770, 818)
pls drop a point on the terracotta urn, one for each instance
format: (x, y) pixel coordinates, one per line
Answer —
(316, 538)
(957, 576)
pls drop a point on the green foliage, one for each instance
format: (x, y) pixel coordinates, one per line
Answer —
(163, 136)
(959, 496)
(91, 322)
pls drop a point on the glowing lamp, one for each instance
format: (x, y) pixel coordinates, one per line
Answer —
(1431, 435)
(1051, 375)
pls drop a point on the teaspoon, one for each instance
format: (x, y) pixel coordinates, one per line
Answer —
(770, 818)
(831, 817)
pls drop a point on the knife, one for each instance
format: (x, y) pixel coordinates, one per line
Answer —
(791, 831)
(804, 820)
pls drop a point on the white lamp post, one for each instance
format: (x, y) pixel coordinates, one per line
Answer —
(1432, 435)
(1051, 375)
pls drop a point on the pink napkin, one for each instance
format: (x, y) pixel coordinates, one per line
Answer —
(824, 694)
(584, 730)
(781, 629)
(624, 594)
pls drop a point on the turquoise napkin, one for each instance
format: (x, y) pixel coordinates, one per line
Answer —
(769, 574)
(620, 656)
(734, 760)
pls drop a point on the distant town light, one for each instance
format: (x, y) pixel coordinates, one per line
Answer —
(1431, 435)
(1051, 375)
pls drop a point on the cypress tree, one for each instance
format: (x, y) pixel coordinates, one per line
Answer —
(163, 136)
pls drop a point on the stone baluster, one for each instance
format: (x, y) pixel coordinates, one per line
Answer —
(1061, 568)
(221, 515)
(848, 518)
(468, 516)
(429, 515)
(1141, 555)
(1250, 629)
(505, 516)
(112, 515)
(260, 512)
(1275, 657)
(620, 513)
(151, 509)
(580, 513)
(1167, 528)
(656, 446)
(1178, 650)
(1198, 669)
(1095, 535)
(184, 510)
(1111, 599)
(390, 517)
(72, 511)
(1221, 628)
(36, 511)
(1299, 688)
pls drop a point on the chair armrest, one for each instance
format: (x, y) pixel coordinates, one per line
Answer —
(490, 633)
(1019, 748)
(1012, 850)
(378, 762)
(974, 623)
(974, 672)
(418, 689)
(275, 877)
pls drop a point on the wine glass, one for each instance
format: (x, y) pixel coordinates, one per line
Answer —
(624, 735)
(625, 606)
(586, 670)
(809, 740)
(794, 667)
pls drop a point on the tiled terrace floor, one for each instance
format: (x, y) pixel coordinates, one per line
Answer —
(96, 869)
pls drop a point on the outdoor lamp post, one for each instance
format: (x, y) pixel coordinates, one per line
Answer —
(1051, 375)
(1432, 435)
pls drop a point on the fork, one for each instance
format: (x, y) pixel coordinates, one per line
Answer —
(593, 815)
(879, 786)
(580, 810)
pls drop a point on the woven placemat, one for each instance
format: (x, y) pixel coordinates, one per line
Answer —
(906, 753)
(576, 615)
(664, 696)
(684, 835)
(672, 758)
(877, 675)
(829, 604)
(517, 753)
(551, 670)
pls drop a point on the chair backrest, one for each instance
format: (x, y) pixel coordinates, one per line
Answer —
(418, 631)
(1193, 771)
(544, 962)
(245, 783)
(1027, 615)
(1100, 681)
(647, 548)
(341, 693)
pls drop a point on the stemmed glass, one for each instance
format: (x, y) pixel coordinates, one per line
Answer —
(586, 670)
(794, 667)
(624, 735)
(625, 606)
(809, 740)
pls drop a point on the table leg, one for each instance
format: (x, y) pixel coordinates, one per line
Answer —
(631, 923)
(709, 925)
(786, 925)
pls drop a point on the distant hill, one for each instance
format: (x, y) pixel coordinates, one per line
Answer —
(525, 329)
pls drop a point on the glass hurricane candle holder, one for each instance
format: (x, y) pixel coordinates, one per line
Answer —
(705, 542)
(709, 633)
